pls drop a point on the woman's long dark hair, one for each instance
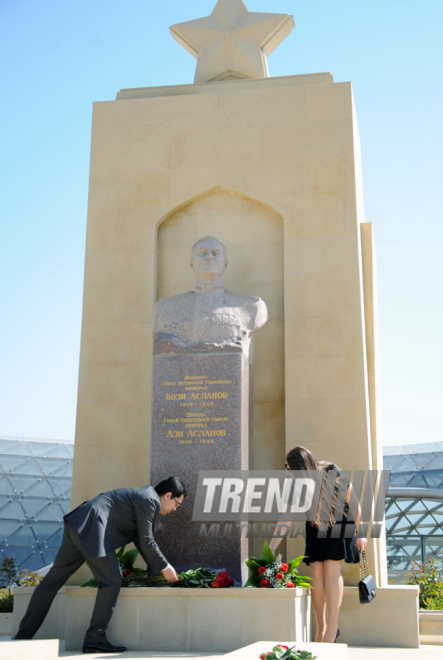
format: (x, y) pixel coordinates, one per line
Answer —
(300, 458)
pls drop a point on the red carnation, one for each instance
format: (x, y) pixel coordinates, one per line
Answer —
(261, 570)
(279, 576)
(263, 583)
(230, 582)
(223, 574)
(262, 656)
(284, 568)
(290, 584)
(127, 572)
(215, 584)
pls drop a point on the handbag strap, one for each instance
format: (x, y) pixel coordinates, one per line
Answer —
(364, 568)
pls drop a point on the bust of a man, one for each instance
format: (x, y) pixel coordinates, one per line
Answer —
(209, 316)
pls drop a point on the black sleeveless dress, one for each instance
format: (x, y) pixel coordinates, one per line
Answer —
(340, 547)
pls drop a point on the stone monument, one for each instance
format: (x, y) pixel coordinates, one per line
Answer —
(271, 167)
(202, 399)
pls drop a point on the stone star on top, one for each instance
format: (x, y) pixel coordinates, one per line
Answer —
(232, 42)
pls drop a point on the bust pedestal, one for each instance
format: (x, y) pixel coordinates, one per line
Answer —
(201, 420)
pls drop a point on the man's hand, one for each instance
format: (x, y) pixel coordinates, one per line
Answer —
(169, 574)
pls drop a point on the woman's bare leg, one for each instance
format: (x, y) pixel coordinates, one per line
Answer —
(318, 595)
(334, 596)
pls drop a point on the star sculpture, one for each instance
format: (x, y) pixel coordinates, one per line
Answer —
(232, 42)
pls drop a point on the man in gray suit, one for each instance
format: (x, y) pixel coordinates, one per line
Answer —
(93, 532)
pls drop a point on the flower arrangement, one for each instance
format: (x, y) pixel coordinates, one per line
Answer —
(281, 652)
(204, 578)
(270, 572)
(223, 581)
(200, 578)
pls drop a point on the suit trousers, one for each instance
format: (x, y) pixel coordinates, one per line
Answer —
(70, 557)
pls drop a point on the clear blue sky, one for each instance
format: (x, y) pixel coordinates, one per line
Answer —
(58, 56)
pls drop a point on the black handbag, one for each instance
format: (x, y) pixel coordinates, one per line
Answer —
(366, 587)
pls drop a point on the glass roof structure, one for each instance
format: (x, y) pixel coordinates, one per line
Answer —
(414, 506)
(35, 491)
(415, 466)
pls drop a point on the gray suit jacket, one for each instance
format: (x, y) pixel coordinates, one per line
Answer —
(119, 517)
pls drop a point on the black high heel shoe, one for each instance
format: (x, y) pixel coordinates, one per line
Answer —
(337, 635)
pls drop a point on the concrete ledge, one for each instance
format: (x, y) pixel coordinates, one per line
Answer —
(5, 623)
(321, 651)
(390, 620)
(203, 620)
(46, 649)
(431, 627)
(54, 624)
(225, 86)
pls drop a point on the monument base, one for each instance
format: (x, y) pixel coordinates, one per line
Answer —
(204, 620)
(53, 626)
(211, 621)
(391, 620)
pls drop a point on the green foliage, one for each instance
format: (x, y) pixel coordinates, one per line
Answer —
(9, 578)
(6, 602)
(434, 603)
(29, 578)
(285, 653)
(201, 578)
(267, 556)
(273, 565)
(428, 578)
(90, 583)
(8, 575)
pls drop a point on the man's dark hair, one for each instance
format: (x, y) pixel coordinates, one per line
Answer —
(173, 485)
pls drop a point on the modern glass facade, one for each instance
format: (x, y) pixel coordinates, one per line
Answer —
(414, 507)
(35, 490)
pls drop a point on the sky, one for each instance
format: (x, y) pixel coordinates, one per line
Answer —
(59, 56)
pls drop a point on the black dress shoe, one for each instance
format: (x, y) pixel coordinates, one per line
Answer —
(102, 647)
(337, 635)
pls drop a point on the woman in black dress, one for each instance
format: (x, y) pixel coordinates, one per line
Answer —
(325, 555)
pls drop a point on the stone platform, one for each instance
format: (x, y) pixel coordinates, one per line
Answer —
(52, 649)
(201, 620)
(221, 621)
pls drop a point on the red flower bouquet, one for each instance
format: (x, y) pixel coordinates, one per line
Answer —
(281, 652)
(271, 572)
(223, 581)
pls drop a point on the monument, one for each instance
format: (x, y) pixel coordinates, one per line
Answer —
(271, 167)
(202, 399)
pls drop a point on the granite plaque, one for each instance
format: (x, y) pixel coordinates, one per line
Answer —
(201, 421)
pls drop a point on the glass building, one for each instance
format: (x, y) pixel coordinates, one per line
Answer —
(35, 490)
(414, 506)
